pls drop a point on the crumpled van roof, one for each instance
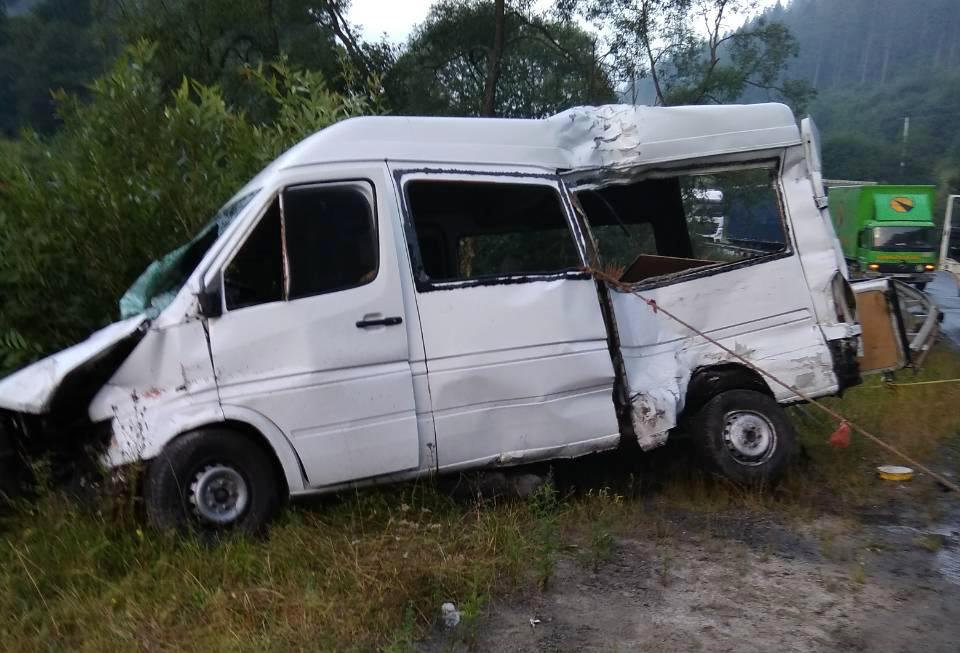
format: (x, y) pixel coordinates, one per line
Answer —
(579, 138)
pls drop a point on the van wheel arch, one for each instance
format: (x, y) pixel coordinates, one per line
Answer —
(708, 382)
(233, 438)
(253, 434)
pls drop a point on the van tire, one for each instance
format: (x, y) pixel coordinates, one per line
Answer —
(744, 435)
(212, 482)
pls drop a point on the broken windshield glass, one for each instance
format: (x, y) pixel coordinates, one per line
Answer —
(162, 280)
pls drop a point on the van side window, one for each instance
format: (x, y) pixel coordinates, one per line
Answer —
(667, 225)
(255, 275)
(323, 240)
(331, 239)
(471, 230)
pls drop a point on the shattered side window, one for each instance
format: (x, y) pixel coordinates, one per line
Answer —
(619, 245)
(473, 230)
(733, 215)
(255, 275)
(162, 280)
(668, 225)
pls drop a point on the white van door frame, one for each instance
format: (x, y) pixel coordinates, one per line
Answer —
(332, 370)
(518, 366)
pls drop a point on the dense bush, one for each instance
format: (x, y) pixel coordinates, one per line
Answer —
(131, 174)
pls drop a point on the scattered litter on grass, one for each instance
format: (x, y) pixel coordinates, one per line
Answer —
(451, 616)
(894, 473)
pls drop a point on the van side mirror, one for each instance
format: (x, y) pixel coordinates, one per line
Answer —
(211, 301)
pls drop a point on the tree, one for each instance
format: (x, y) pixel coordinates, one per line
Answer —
(133, 172)
(695, 51)
(57, 45)
(470, 59)
(209, 40)
(494, 60)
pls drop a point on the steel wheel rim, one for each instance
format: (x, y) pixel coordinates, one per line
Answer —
(749, 436)
(219, 494)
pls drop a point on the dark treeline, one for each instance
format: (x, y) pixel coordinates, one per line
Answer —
(871, 43)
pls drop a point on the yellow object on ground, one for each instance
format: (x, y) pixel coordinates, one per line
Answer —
(894, 473)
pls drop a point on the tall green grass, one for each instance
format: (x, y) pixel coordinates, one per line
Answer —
(369, 570)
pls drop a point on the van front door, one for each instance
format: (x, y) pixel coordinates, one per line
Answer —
(517, 357)
(313, 336)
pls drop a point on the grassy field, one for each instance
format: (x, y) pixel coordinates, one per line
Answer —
(369, 570)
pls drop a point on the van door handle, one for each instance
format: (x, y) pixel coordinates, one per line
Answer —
(386, 321)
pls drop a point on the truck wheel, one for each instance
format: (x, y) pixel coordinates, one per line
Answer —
(744, 435)
(211, 481)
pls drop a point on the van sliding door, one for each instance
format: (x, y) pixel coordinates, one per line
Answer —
(516, 347)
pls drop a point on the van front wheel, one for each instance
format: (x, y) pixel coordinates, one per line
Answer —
(211, 481)
(744, 435)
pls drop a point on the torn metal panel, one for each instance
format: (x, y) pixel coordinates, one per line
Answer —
(147, 409)
(33, 389)
(899, 324)
(771, 324)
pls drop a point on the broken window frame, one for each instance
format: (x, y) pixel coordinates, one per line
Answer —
(596, 180)
(424, 283)
(363, 186)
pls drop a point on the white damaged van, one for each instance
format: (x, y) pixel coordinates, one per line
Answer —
(397, 297)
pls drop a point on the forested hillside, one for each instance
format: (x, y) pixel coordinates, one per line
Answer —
(874, 63)
(872, 43)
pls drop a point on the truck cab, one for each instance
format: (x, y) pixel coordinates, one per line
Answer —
(887, 230)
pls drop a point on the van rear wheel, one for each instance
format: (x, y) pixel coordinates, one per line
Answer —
(212, 481)
(746, 436)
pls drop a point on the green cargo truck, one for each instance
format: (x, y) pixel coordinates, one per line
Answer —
(887, 230)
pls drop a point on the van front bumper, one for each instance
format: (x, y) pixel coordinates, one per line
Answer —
(28, 439)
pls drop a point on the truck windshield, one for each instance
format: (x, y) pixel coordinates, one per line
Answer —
(162, 280)
(903, 239)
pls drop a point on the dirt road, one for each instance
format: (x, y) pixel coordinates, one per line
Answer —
(887, 580)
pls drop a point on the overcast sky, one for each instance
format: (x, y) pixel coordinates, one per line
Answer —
(397, 17)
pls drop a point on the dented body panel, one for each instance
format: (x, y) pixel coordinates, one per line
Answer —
(424, 364)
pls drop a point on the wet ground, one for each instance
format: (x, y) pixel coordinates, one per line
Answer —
(887, 581)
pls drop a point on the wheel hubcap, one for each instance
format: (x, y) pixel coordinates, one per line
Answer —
(219, 494)
(749, 436)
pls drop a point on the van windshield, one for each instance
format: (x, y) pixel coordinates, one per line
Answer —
(903, 239)
(162, 280)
